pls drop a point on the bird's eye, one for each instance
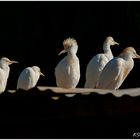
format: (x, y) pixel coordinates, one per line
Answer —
(6, 60)
(135, 54)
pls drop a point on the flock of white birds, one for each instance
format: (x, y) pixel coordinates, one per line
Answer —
(104, 71)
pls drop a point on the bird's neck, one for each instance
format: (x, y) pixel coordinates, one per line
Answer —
(37, 76)
(4, 66)
(73, 50)
(129, 62)
(107, 50)
(71, 54)
(72, 59)
(126, 56)
(6, 69)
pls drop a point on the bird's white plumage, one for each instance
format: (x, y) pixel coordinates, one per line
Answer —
(116, 70)
(4, 72)
(67, 71)
(98, 62)
(29, 78)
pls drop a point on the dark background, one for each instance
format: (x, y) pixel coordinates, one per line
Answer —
(32, 33)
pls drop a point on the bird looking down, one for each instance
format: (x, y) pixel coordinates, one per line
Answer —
(4, 72)
(29, 78)
(98, 62)
(116, 70)
(67, 71)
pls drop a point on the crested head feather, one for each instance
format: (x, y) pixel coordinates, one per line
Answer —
(69, 42)
(5, 58)
(129, 49)
(36, 68)
(109, 38)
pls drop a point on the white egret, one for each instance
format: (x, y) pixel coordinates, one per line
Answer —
(29, 78)
(67, 71)
(98, 62)
(4, 72)
(116, 70)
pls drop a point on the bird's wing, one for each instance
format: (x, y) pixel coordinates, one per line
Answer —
(2, 76)
(94, 69)
(61, 67)
(24, 79)
(102, 61)
(111, 74)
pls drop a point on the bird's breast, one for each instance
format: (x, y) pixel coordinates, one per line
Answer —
(71, 74)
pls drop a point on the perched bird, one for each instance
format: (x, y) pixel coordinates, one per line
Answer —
(4, 72)
(98, 62)
(116, 70)
(67, 71)
(29, 78)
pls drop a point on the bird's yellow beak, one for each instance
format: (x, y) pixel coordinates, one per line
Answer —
(116, 43)
(12, 62)
(42, 74)
(137, 56)
(63, 51)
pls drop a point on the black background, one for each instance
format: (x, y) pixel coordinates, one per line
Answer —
(32, 33)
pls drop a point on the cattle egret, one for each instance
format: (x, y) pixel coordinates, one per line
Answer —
(116, 70)
(29, 78)
(67, 71)
(4, 72)
(98, 62)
